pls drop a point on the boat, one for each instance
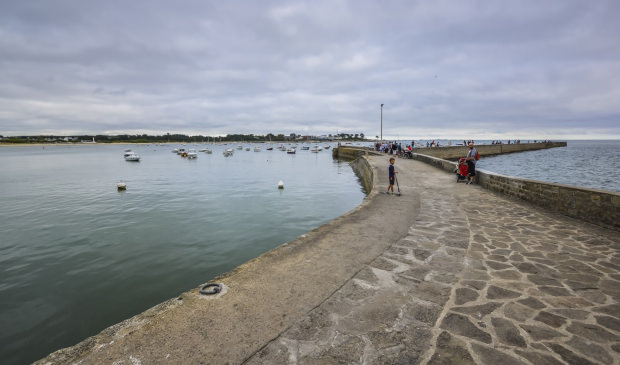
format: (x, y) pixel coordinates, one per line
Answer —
(256, 149)
(228, 152)
(305, 148)
(247, 148)
(131, 156)
(326, 147)
(207, 151)
(291, 151)
(176, 150)
(239, 147)
(316, 149)
(192, 153)
(181, 151)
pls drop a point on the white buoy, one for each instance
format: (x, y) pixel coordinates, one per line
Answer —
(121, 186)
(280, 184)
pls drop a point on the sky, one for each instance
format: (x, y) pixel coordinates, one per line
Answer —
(460, 69)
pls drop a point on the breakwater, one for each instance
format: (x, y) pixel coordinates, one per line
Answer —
(455, 152)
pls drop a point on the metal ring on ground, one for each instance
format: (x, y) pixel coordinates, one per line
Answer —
(216, 288)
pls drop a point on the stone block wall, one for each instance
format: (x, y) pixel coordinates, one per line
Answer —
(455, 152)
(595, 206)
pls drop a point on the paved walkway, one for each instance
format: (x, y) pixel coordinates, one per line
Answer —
(445, 274)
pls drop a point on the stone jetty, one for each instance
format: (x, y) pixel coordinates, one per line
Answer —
(446, 273)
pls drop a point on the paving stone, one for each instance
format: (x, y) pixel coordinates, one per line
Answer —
(543, 280)
(571, 313)
(476, 284)
(616, 347)
(538, 358)
(569, 356)
(499, 258)
(538, 333)
(609, 322)
(532, 303)
(507, 275)
(592, 332)
(550, 319)
(495, 292)
(462, 326)
(612, 309)
(478, 311)
(518, 312)
(476, 275)
(555, 291)
(501, 252)
(579, 285)
(567, 302)
(497, 265)
(465, 295)
(515, 257)
(433, 292)
(492, 356)
(346, 352)
(590, 350)
(507, 332)
(450, 350)
(527, 268)
(424, 313)
(582, 278)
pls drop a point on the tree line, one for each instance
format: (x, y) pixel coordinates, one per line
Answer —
(168, 137)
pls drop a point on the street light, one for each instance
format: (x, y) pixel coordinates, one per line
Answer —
(381, 123)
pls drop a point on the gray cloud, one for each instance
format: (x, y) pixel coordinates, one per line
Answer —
(459, 69)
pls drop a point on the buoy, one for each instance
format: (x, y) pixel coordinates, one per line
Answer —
(280, 184)
(121, 186)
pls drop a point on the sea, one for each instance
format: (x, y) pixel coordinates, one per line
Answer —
(77, 255)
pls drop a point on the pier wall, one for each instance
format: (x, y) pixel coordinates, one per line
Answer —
(595, 206)
(455, 152)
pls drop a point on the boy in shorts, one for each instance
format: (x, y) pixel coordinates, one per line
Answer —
(391, 175)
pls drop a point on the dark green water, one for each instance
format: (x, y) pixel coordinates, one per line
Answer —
(77, 256)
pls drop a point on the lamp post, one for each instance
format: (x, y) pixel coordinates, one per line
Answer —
(381, 123)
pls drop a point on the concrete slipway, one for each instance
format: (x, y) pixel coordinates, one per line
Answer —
(445, 274)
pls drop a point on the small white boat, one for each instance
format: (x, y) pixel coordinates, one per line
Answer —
(247, 148)
(176, 150)
(291, 151)
(181, 151)
(131, 156)
(206, 150)
(239, 147)
(228, 152)
(192, 153)
(305, 148)
(256, 149)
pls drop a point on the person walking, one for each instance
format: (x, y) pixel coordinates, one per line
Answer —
(471, 158)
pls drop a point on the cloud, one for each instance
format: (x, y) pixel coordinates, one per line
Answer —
(443, 68)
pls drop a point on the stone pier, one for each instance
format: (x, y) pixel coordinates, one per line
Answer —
(446, 273)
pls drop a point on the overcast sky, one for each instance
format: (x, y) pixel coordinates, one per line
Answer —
(444, 69)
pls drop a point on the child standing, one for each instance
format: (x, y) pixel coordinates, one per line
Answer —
(391, 175)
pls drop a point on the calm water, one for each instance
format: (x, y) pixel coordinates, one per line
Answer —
(592, 164)
(77, 256)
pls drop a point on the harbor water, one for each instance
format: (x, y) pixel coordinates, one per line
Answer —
(77, 256)
(590, 164)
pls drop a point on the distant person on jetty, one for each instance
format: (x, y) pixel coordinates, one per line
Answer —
(391, 175)
(471, 163)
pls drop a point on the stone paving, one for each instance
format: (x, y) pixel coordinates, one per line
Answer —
(479, 279)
